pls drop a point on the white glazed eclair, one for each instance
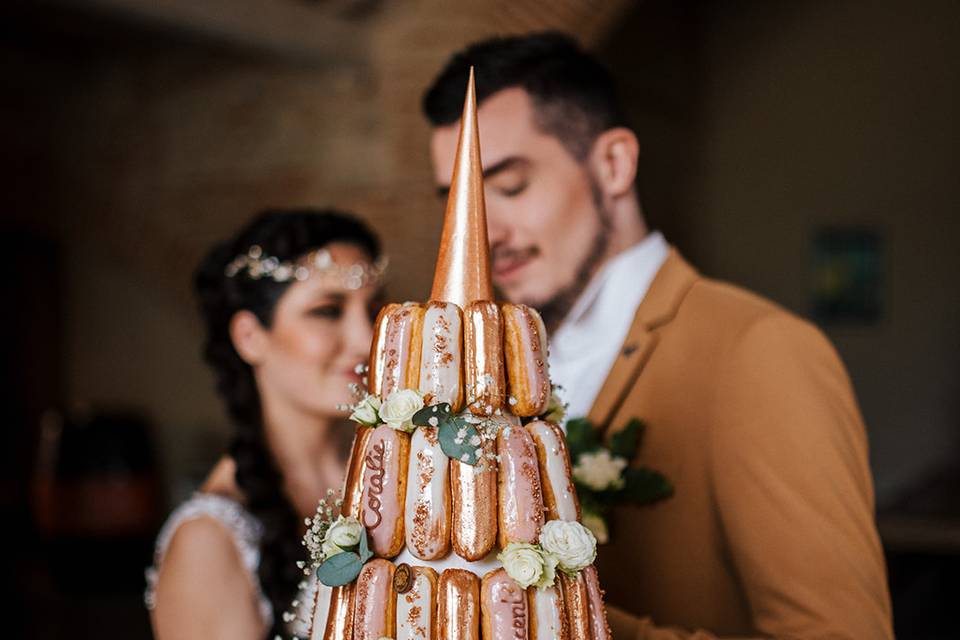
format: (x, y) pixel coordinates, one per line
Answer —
(548, 620)
(384, 489)
(474, 504)
(427, 517)
(483, 357)
(395, 354)
(458, 605)
(519, 493)
(556, 477)
(416, 589)
(525, 357)
(374, 612)
(503, 607)
(441, 355)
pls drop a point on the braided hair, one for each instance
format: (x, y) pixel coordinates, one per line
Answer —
(287, 235)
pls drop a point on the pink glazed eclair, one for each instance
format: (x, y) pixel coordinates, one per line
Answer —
(384, 489)
(395, 354)
(525, 355)
(503, 606)
(374, 613)
(520, 497)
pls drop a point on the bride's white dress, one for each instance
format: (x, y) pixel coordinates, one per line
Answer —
(245, 531)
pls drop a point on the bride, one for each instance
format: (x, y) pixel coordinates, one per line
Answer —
(287, 304)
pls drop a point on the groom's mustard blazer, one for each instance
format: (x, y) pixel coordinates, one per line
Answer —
(750, 413)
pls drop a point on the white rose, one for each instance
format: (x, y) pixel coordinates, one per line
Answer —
(342, 534)
(527, 565)
(366, 411)
(398, 409)
(597, 526)
(599, 470)
(571, 543)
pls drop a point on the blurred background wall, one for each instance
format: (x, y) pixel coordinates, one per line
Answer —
(138, 132)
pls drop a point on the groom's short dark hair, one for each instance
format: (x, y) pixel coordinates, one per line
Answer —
(573, 94)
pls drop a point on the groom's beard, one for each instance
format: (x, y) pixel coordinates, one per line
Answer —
(555, 309)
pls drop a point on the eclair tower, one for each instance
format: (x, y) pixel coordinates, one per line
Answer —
(435, 523)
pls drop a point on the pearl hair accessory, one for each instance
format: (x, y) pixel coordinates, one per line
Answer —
(256, 265)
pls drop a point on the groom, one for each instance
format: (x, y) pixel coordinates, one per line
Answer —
(750, 412)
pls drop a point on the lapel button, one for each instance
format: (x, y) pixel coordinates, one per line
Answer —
(629, 349)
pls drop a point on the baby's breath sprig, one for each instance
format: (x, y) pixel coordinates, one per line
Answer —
(327, 512)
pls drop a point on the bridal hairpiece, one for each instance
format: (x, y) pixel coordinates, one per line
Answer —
(256, 265)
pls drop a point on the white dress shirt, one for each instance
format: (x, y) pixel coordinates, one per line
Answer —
(585, 346)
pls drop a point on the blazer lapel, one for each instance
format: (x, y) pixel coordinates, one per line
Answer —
(658, 307)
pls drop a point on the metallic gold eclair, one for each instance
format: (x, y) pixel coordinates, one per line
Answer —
(519, 493)
(548, 620)
(384, 489)
(483, 357)
(340, 613)
(576, 604)
(375, 610)
(428, 511)
(416, 589)
(556, 477)
(458, 605)
(395, 354)
(474, 504)
(525, 356)
(599, 626)
(441, 355)
(504, 607)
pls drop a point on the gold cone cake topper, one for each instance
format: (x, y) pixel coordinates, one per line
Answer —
(463, 264)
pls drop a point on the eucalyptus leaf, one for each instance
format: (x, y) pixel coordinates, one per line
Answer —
(340, 569)
(439, 411)
(456, 446)
(624, 443)
(581, 437)
(364, 550)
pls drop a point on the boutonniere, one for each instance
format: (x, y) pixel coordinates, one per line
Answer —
(603, 476)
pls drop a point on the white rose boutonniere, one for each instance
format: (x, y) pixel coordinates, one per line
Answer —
(366, 411)
(528, 565)
(398, 409)
(599, 470)
(571, 543)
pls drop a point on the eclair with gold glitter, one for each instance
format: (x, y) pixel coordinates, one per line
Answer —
(428, 511)
(441, 355)
(416, 589)
(375, 609)
(556, 477)
(395, 354)
(519, 494)
(525, 356)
